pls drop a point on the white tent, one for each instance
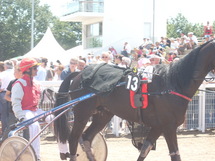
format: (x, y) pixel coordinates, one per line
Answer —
(49, 48)
(75, 51)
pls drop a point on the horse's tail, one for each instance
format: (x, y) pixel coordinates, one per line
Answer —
(61, 127)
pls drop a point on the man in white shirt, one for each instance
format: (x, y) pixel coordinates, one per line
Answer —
(5, 78)
(193, 42)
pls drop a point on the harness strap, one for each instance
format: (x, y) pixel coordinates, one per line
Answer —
(180, 95)
(169, 92)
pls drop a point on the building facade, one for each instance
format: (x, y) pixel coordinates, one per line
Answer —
(108, 23)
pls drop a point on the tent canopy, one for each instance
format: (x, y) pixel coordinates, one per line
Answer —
(49, 48)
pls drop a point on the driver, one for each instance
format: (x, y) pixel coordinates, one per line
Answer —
(25, 96)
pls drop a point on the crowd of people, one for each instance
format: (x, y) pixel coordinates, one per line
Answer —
(20, 93)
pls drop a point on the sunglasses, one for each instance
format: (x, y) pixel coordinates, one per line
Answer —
(104, 57)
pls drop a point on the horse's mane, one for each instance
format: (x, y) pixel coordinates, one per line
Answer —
(177, 75)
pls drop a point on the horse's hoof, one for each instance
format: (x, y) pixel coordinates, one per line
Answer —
(64, 156)
(73, 157)
(140, 158)
(175, 158)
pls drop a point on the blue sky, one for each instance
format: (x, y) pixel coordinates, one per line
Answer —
(195, 11)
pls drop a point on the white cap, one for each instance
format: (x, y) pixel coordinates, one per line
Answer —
(155, 56)
(145, 61)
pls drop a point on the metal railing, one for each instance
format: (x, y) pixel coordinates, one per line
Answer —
(85, 6)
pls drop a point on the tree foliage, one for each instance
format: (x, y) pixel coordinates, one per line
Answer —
(15, 27)
(180, 24)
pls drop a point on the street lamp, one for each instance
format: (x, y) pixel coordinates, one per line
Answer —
(32, 25)
(153, 30)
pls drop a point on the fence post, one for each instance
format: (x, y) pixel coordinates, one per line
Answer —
(202, 108)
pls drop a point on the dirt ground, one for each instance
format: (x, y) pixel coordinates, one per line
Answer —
(194, 146)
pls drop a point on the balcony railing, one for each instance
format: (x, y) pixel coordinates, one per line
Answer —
(85, 6)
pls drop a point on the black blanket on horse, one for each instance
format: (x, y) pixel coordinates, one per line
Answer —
(102, 78)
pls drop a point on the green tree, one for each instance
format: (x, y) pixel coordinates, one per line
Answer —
(180, 24)
(68, 34)
(15, 27)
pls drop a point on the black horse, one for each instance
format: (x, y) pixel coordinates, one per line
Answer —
(174, 84)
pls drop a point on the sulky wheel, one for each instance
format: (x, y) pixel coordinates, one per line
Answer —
(99, 147)
(13, 146)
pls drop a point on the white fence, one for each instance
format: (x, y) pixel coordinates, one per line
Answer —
(201, 110)
(199, 116)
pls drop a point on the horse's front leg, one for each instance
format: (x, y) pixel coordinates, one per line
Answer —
(149, 142)
(171, 139)
(76, 133)
(99, 120)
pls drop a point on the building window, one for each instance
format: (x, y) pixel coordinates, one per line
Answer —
(94, 35)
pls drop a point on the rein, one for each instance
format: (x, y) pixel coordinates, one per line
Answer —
(66, 94)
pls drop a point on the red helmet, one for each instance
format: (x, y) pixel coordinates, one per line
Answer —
(27, 63)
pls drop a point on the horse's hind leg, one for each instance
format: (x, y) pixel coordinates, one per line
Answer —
(99, 120)
(148, 143)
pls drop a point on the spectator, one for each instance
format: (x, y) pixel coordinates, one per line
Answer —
(150, 51)
(25, 96)
(126, 49)
(113, 51)
(149, 44)
(118, 60)
(58, 62)
(148, 71)
(208, 30)
(17, 75)
(58, 70)
(71, 68)
(126, 62)
(158, 50)
(155, 59)
(139, 52)
(168, 42)
(173, 46)
(206, 39)
(162, 42)
(50, 74)
(169, 57)
(211, 36)
(145, 43)
(97, 59)
(184, 36)
(89, 58)
(181, 46)
(81, 64)
(143, 62)
(193, 42)
(42, 71)
(5, 78)
(106, 57)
